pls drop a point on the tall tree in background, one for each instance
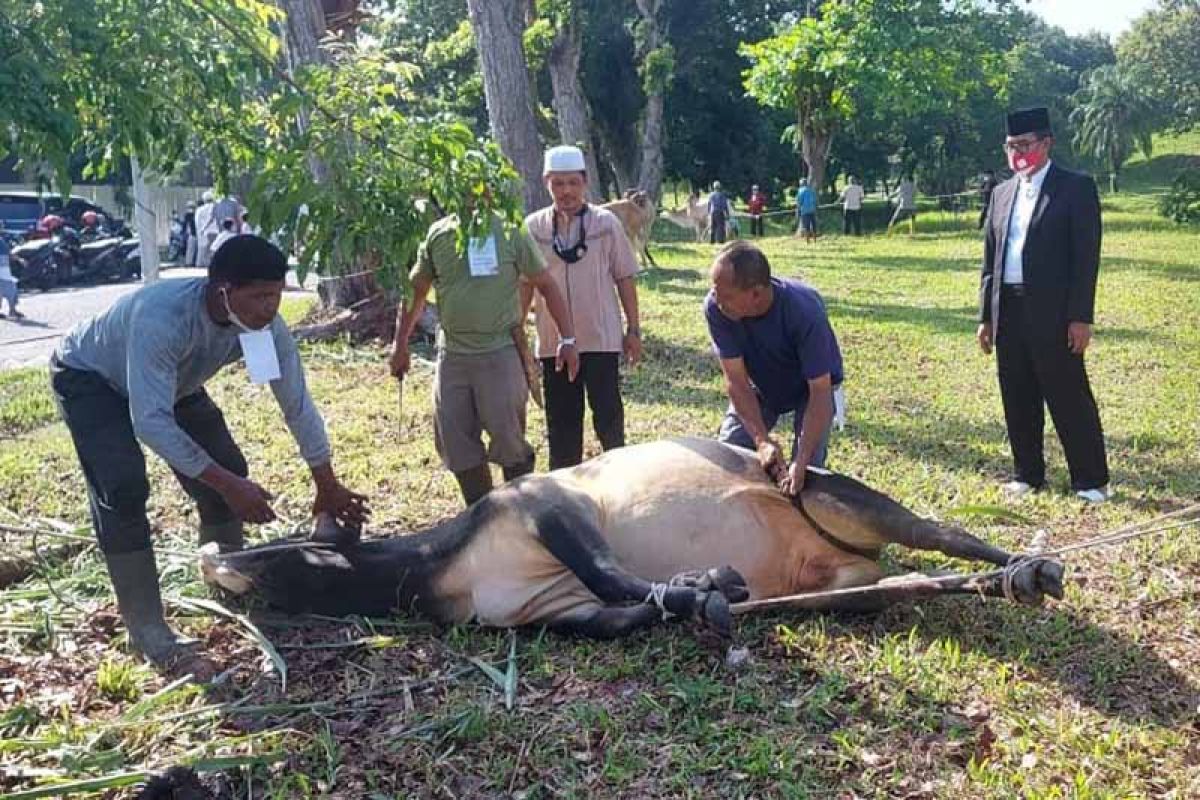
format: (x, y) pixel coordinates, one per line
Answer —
(570, 104)
(1164, 45)
(499, 26)
(656, 69)
(1113, 115)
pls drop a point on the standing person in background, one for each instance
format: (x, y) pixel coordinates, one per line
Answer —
(852, 200)
(206, 229)
(806, 207)
(718, 214)
(906, 194)
(1037, 297)
(189, 234)
(228, 210)
(757, 206)
(986, 186)
(8, 284)
(590, 259)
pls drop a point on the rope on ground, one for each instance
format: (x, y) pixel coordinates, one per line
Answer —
(1007, 574)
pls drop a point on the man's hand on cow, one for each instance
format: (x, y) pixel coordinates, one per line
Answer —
(632, 345)
(249, 501)
(567, 355)
(399, 361)
(984, 335)
(770, 457)
(793, 482)
(1079, 336)
(349, 508)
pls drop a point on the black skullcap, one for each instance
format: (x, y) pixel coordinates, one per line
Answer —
(1028, 120)
(247, 258)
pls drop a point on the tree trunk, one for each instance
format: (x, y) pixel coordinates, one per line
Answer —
(498, 27)
(302, 46)
(650, 171)
(570, 105)
(146, 221)
(624, 169)
(814, 148)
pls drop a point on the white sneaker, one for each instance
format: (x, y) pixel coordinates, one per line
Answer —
(1015, 489)
(1093, 496)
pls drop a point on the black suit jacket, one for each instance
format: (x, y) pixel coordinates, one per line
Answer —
(1061, 256)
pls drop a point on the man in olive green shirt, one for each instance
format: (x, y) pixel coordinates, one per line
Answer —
(480, 383)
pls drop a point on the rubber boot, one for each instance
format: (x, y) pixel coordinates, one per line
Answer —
(135, 579)
(230, 536)
(517, 470)
(475, 482)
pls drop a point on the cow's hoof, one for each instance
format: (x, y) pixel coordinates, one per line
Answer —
(727, 580)
(716, 614)
(1035, 579)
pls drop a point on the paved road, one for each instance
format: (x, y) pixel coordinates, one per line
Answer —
(48, 315)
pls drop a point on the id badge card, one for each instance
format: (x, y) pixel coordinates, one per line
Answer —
(482, 258)
(262, 362)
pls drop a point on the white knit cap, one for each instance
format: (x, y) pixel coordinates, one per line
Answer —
(563, 158)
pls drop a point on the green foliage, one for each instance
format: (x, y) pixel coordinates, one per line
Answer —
(382, 177)
(1163, 43)
(1112, 116)
(117, 680)
(658, 68)
(1182, 202)
(138, 77)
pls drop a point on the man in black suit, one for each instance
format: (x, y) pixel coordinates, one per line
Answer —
(1036, 297)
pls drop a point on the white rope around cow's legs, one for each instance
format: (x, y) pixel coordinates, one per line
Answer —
(657, 595)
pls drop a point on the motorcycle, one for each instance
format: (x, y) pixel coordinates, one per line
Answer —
(66, 258)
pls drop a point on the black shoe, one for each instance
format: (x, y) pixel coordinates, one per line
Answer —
(474, 483)
(135, 580)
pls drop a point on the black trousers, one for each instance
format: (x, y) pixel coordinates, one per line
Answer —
(756, 225)
(716, 234)
(1035, 367)
(600, 379)
(114, 467)
(852, 218)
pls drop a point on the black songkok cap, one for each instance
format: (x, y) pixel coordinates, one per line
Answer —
(1028, 120)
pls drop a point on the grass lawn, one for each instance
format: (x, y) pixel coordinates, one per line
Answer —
(1094, 697)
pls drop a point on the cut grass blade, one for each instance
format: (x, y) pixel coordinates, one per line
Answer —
(264, 644)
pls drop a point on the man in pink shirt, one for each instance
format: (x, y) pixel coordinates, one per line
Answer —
(591, 260)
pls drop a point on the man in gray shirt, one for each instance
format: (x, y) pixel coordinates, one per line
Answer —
(136, 373)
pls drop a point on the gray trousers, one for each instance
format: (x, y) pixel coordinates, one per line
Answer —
(734, 432)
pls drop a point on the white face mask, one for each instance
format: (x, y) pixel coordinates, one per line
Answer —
(258, 347)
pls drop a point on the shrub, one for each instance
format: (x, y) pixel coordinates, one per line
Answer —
(1182, 202)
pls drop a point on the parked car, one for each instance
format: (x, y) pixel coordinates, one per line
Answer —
(21, 211)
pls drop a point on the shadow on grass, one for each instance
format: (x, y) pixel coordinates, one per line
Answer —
(960, 321)
(676, 374)
(1172, 271)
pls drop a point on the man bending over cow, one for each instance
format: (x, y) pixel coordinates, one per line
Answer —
(135, 375)
(778, 354)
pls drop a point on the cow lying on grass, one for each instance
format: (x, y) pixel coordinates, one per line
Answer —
(685, 526)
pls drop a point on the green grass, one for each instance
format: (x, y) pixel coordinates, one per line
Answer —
(1091, 698)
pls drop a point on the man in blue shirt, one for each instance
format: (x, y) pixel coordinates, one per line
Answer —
(778, 354)
(806, 207)
(718, 214)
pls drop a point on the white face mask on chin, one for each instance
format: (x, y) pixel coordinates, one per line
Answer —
(258, 347)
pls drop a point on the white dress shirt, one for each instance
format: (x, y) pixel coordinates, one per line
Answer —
(852, 197)
(1028, 191)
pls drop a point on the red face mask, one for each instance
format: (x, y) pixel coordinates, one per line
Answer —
(1027, 163)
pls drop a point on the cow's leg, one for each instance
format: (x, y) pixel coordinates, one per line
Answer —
(1028, 584)
(574, 539)
(609, 622)
(646, 252)
(840, 503)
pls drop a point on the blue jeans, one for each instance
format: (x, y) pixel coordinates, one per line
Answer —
(735, 433)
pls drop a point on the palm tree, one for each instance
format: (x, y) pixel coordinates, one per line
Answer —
(1113, 115)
